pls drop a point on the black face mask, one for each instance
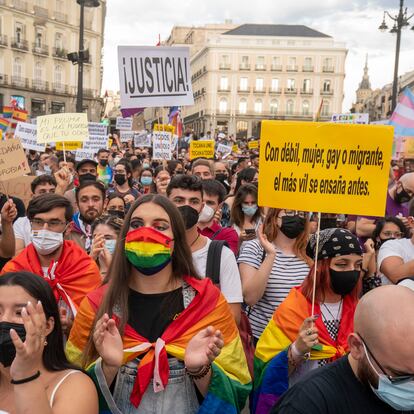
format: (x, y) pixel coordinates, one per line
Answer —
(120, 179)
(221, 177)
(103, 163)
(7, 349)
(328, 223)
(189, 215)
(292, 226)
(343, 282)
(381, 241)
(86, 177)
(402, 197)
(117, 213)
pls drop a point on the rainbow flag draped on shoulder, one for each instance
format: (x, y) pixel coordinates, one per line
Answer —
(271, 378)
(230, 382)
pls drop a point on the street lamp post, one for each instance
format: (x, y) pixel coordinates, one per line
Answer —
(400, 21)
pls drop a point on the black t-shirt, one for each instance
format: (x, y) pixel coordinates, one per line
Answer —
(150, 314)
(333, 389)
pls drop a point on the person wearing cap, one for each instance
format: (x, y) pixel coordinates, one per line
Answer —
(86, 170)
(296, 341)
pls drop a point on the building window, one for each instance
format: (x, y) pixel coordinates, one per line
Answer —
(19, 100)
(289, 107)
(258, 106)
(59, 5)
(292, 63)
(259, 84)
(306, 85)
(224, 62)
(18, 67)
(307, 63)
(38, 107)
(58, 107)
(224, 83)
(291, 84)
(275, 85)
(243, 84)
(275, 61)
(243, 106)
(241, 129)
(274, 106)
(58, 41)
(38, 71)
(305, 107)
(223, 105)
(326, 85)
(260, 62)
(58, 75)
(38, 38)
(325, 108)
(244, 62)
(19, 32)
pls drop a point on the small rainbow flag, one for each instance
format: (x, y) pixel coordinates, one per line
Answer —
(7, 111)
(20, 115)
(4, 124)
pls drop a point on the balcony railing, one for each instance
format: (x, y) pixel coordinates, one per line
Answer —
(226, 89)
(306, 91)
(41, 49)
(307, 69)
(244, 66)
(260, 67)
(328, 69)
(41, 12)
(59, 53)
(259, 90)
(325, 92)
(40, 85)
(59, 87)
(276, 68)
(20, 82)
(276, 90)
(19, 44)
(3, 39)
(292, 68)
(20, 5)
(61, 17)
(224, 66)
(291, 91)
(3, 79)
(243, 90)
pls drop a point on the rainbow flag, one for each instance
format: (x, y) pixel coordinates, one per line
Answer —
(271, 378)
(403, 116)
(230, 382)
(7, 111)
(4, 124)
(20, 115)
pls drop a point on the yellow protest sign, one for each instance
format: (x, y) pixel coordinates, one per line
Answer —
(13, 162)
(253, 145)
(164, 127)
(68, 145)
(235, 148)
(325, 167)
(201, 149)
(62, 127)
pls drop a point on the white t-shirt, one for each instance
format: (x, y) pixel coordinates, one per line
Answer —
(23, 230)
(403, 248)
(230, 283)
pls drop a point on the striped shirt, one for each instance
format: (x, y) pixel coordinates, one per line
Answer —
(287, 272)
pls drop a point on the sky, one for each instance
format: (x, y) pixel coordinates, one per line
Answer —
(133, 22)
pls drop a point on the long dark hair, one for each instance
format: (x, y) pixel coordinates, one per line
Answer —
(54, 358)
(119, 272)
(236, 212)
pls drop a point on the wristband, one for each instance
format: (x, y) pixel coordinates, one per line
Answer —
(199, 374)
(24, 380)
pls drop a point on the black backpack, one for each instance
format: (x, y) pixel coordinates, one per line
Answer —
(214, 260)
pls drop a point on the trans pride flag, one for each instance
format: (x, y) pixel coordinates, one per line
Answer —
(403, 116)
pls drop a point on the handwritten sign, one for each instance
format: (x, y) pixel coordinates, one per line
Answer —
(142, 139)
(325, 167)
(13, 162)
(27, 134)
(154, 76)
(96, 128)
(96, 142)
(201, 149)
(124, 124)
(82, 154)
(126, 136)
(161, 145)
(62, 127)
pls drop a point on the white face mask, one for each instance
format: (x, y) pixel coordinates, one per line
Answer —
(110, 245)
(47, 169)
(207, 213)
(46, 241)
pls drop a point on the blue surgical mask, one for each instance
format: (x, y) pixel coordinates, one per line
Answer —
(110, 245)
(145, 165)
(399, 396)
(146, 180)
(249, 211)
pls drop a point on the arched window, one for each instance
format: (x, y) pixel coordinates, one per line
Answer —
(223, 105)
(274, 106)
(325, 108)
(305, 107)
(289, 107)
(243, 106)
(258, 106)
(38, 71)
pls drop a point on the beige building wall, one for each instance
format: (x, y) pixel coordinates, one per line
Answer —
(35, 37)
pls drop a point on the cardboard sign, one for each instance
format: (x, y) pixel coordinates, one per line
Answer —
(142, 139)
(96, 128)
(154, 76)
(161, 145)
(19, 187)
(325, 167)
(224, 150)
(253, 145)
(350, 118)
(124, 124)
(126, 136)
(62, 127)
(27, 135)
(164, 127)
(68, 146)
(82, 154)
(201, 149)
(13, 162)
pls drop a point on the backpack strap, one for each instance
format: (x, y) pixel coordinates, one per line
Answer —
(214, 260)
(216, 233)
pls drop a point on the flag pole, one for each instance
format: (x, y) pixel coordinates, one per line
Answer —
(315, 266)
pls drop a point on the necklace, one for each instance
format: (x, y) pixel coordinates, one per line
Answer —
(336, 319)
(198, 236)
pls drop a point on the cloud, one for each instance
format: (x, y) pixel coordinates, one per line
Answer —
(355, 23)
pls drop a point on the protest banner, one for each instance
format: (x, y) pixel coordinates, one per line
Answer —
(13, 162)
(235, 148)
(124, 124)
(96, 142)
(19, 187)
(164, 127)
(142, 139)
(96, 128)
(201, 149)
(62, 127)
(350, 118)
(27, 135)
(154, 76)
(161, 145)
(82, 154)
(68, 146)
(126, 136)
(224, 150)
(253, 145)
(325, 167)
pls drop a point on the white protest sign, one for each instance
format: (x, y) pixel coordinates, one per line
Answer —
(225, 150)
(126, 136)
(142, 139)
(82, 154)
(62, 128)
(161, 145)
(96, 128)
(154, 76)
(174, 142)
(350, 118)
(124, 124)
(27, 135)
(96, 142)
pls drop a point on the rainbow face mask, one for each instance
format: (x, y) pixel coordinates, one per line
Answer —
(148, 250)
